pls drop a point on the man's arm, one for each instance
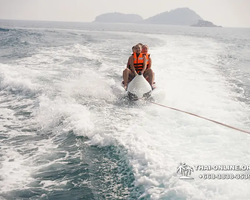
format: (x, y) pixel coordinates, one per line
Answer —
(132, 67)
(149, 63)
(144, 65)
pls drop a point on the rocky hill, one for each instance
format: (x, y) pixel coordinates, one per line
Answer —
(179, 16)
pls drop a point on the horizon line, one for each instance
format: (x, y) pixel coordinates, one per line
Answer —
(43, 20)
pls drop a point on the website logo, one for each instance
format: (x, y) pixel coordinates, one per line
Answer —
(185, 171)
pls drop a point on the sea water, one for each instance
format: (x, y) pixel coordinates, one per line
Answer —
(66, 131)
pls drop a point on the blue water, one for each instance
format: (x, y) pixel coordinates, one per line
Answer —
(67, 133)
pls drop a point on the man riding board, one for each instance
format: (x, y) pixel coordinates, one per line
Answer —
(138, 63)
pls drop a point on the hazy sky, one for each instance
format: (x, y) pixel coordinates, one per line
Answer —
(228, 13)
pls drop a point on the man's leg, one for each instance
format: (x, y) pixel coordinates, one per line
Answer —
(126, 73)
(150, 74)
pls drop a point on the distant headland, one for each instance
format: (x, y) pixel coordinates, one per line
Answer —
(179, 16)
(203, 23)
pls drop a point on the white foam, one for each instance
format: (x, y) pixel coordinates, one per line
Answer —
(158, 139)
(16, 80)
(52, 111)
(15, 170)
(164, 137)
(48, 183)
(80, 98)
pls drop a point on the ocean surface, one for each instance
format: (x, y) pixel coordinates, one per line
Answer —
(67, 133)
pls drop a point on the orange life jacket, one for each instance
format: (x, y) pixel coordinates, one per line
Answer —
(138, 62)
(147, 58)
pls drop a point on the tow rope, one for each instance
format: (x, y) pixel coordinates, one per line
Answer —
(189, 113)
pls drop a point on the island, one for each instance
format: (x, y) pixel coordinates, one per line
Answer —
(179, 16)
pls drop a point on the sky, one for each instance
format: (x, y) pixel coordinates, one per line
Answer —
(228, 13)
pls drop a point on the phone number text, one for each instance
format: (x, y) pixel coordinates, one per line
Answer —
(224, 176)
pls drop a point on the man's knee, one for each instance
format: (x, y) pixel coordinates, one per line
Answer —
(126, 70)
(149, 72)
